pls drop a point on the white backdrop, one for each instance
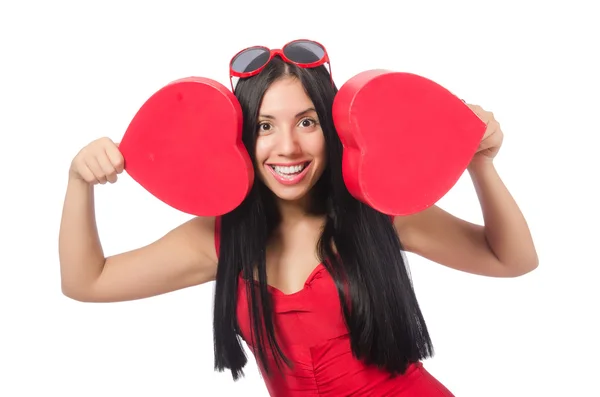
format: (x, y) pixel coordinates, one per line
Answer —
(71, 72)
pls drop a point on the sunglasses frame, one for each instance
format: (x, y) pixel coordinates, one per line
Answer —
(278, 52)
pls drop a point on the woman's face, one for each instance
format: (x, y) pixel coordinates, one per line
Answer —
(290, 148)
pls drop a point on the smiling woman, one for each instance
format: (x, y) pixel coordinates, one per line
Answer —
(288, 300)
(312, 279)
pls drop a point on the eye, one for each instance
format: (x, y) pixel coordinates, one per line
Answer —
(264, 127)
(308, 122)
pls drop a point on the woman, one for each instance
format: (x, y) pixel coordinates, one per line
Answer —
(314, 281)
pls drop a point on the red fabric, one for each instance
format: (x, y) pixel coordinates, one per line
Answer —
(311, 331)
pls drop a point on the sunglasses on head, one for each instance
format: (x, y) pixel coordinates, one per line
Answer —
(252, 60)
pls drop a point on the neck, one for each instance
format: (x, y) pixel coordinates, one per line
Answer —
(297, 220)
(292, 212)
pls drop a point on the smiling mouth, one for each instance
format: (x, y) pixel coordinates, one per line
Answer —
(289, 171)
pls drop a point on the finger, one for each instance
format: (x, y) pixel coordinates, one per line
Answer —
(107, 168)
(492, 140)
(96, 169)
(87, 174)
(489, 131)
(480, 112)
(116, 158)
(482, 146)
(493, 127)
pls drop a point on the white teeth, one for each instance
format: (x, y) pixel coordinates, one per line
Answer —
(288, 170)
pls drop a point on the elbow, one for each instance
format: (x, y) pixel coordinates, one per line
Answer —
(76, 293)
(71, 294)
(522, 267)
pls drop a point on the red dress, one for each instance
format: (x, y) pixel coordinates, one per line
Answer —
(312, 333)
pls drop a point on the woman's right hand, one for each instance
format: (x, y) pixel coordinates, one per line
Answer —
(98, 162)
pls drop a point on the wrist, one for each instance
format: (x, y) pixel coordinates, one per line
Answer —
(481, 164)
(482, 172)
(76, 180)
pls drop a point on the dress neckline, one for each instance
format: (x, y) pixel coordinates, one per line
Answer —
(318, 269)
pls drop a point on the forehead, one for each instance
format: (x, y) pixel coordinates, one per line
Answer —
(284, 97)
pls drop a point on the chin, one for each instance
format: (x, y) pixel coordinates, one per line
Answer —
(287, 194)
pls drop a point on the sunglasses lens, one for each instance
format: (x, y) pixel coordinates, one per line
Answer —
(304, 51)
(250, 59)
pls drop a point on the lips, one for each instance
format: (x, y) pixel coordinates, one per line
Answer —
(289, 174)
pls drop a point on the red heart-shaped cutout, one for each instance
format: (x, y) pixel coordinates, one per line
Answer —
(407, 140)
(184, 146)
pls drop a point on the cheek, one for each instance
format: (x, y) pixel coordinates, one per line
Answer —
(316, 147)
(262, 150)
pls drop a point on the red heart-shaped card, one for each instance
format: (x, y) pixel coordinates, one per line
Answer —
(184, 146)
(407, 140)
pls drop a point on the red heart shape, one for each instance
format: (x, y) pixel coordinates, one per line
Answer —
(407, 140)
(184, 146)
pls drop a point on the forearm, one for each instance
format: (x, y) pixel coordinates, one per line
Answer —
(80, 252)
(506, 229)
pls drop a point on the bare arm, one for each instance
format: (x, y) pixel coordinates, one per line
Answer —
(506, 230)
(182, 258)
(501, 248)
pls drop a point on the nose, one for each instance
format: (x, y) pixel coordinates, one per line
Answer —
(288, 144)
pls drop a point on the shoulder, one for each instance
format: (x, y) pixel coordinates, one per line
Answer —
(199, 233)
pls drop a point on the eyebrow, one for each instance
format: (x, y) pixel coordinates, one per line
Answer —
(302, 113)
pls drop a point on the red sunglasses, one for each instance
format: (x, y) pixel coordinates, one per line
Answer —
(304, 53)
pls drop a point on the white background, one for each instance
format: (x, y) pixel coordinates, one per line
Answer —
(71, 72)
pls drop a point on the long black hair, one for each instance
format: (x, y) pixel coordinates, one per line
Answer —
(359, 247)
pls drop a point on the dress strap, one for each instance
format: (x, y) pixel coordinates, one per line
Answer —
(217, 234)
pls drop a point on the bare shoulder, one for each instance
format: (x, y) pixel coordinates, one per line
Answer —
(183, 257)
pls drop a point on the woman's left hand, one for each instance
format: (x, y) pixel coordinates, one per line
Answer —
(492, 138)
